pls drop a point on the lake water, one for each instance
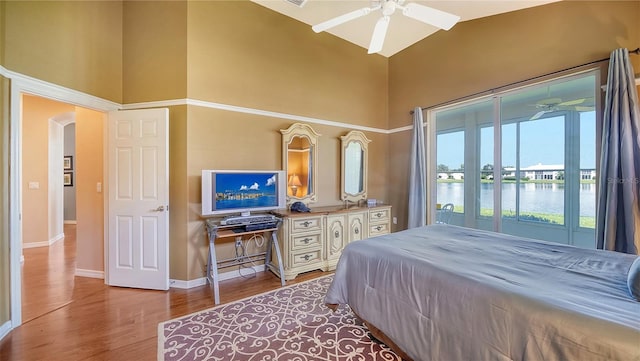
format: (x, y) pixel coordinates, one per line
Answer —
(534, 197)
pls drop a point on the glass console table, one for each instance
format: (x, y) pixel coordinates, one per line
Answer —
(223, 233)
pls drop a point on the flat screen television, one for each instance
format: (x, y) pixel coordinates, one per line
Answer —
(242, 191)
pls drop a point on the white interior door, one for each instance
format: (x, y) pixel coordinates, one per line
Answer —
(138, 194)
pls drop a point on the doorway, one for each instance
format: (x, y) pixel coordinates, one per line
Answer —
(48, 168)
(36, 174)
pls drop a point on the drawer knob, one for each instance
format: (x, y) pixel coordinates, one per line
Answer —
(378, 228)
(306, 223)
(336, 234)
(306, 257)
(306, 240)
(378, 214)
(356, 231)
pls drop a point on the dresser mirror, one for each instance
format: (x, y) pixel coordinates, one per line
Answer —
(300, 161)
(354, 166)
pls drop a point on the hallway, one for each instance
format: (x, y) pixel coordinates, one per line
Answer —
(48, 276)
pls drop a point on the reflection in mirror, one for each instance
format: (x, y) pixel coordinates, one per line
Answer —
(353, 183)
(354, 166)
(299, 157)
(299, 168)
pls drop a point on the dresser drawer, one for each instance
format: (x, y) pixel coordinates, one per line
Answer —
(299, 241)
(379, 215)
(306, 257)
(306, 224)
(378, 229)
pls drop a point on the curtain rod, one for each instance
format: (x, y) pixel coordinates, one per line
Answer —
(635, 51)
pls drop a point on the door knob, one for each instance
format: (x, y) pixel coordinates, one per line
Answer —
(159, 209)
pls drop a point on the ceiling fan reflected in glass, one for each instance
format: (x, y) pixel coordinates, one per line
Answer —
(555, 104)
(425, 14)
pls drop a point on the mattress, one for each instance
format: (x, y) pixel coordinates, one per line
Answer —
(443, 292)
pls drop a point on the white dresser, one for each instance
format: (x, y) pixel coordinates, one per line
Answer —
(315, 240)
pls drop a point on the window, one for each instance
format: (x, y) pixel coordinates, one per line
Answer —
(451, 169)
(547, 160)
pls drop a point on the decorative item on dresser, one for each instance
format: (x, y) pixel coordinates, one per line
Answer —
(314, 240)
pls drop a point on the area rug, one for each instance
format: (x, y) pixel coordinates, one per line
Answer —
(288, 324)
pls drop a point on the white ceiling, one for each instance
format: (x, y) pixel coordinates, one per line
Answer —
(403, 31)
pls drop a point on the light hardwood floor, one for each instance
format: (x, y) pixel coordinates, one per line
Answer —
(78, 318)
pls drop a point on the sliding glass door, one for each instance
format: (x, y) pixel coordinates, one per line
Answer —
(522, 162)
(461, 135)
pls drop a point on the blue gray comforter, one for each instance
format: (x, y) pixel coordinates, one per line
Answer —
(443, 292)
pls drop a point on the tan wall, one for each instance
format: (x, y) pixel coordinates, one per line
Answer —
(226, 140)
(154, 50)
(243, 54)
(231, 52)
(482, 54)
(76, 44)
(5, 272)
(36, 113)
(89, 202)
(2, 40)
(179, 247)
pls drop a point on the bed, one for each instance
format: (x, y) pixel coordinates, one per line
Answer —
(443, 292)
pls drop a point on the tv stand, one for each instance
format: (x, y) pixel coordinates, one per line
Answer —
(222, 233)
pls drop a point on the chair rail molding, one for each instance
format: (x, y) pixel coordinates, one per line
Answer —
(239, 109)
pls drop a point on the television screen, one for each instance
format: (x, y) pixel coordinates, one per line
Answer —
(234, 191)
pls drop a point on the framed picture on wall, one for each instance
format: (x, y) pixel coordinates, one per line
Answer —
(68, 179)
(67, 163)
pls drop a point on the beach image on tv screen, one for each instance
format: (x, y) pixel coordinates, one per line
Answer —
(245, 190)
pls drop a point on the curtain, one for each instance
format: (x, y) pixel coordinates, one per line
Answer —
(618, 212)
(418, 174)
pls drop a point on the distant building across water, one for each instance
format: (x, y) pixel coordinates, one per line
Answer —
(534, 172)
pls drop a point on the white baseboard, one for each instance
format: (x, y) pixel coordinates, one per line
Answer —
(71, 222)
(187, 284)
(43, 243)
(5, 329)
(203, 280)
(89, 273)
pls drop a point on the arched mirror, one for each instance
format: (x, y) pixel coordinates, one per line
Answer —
(300, 159)
(354, 166)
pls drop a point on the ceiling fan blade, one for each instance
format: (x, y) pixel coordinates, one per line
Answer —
(379, 33)
(538, 114)
(584, 109)
(325, 25)
(543, 103)
(572, 102)
(431, 16)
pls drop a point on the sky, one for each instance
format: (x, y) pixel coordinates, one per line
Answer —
(243, 181)
(542, 141)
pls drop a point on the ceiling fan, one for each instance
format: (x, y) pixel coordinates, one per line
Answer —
(554, 104)
(425, 14)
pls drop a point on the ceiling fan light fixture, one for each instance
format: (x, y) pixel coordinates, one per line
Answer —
(430, 16)
(389, 7)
